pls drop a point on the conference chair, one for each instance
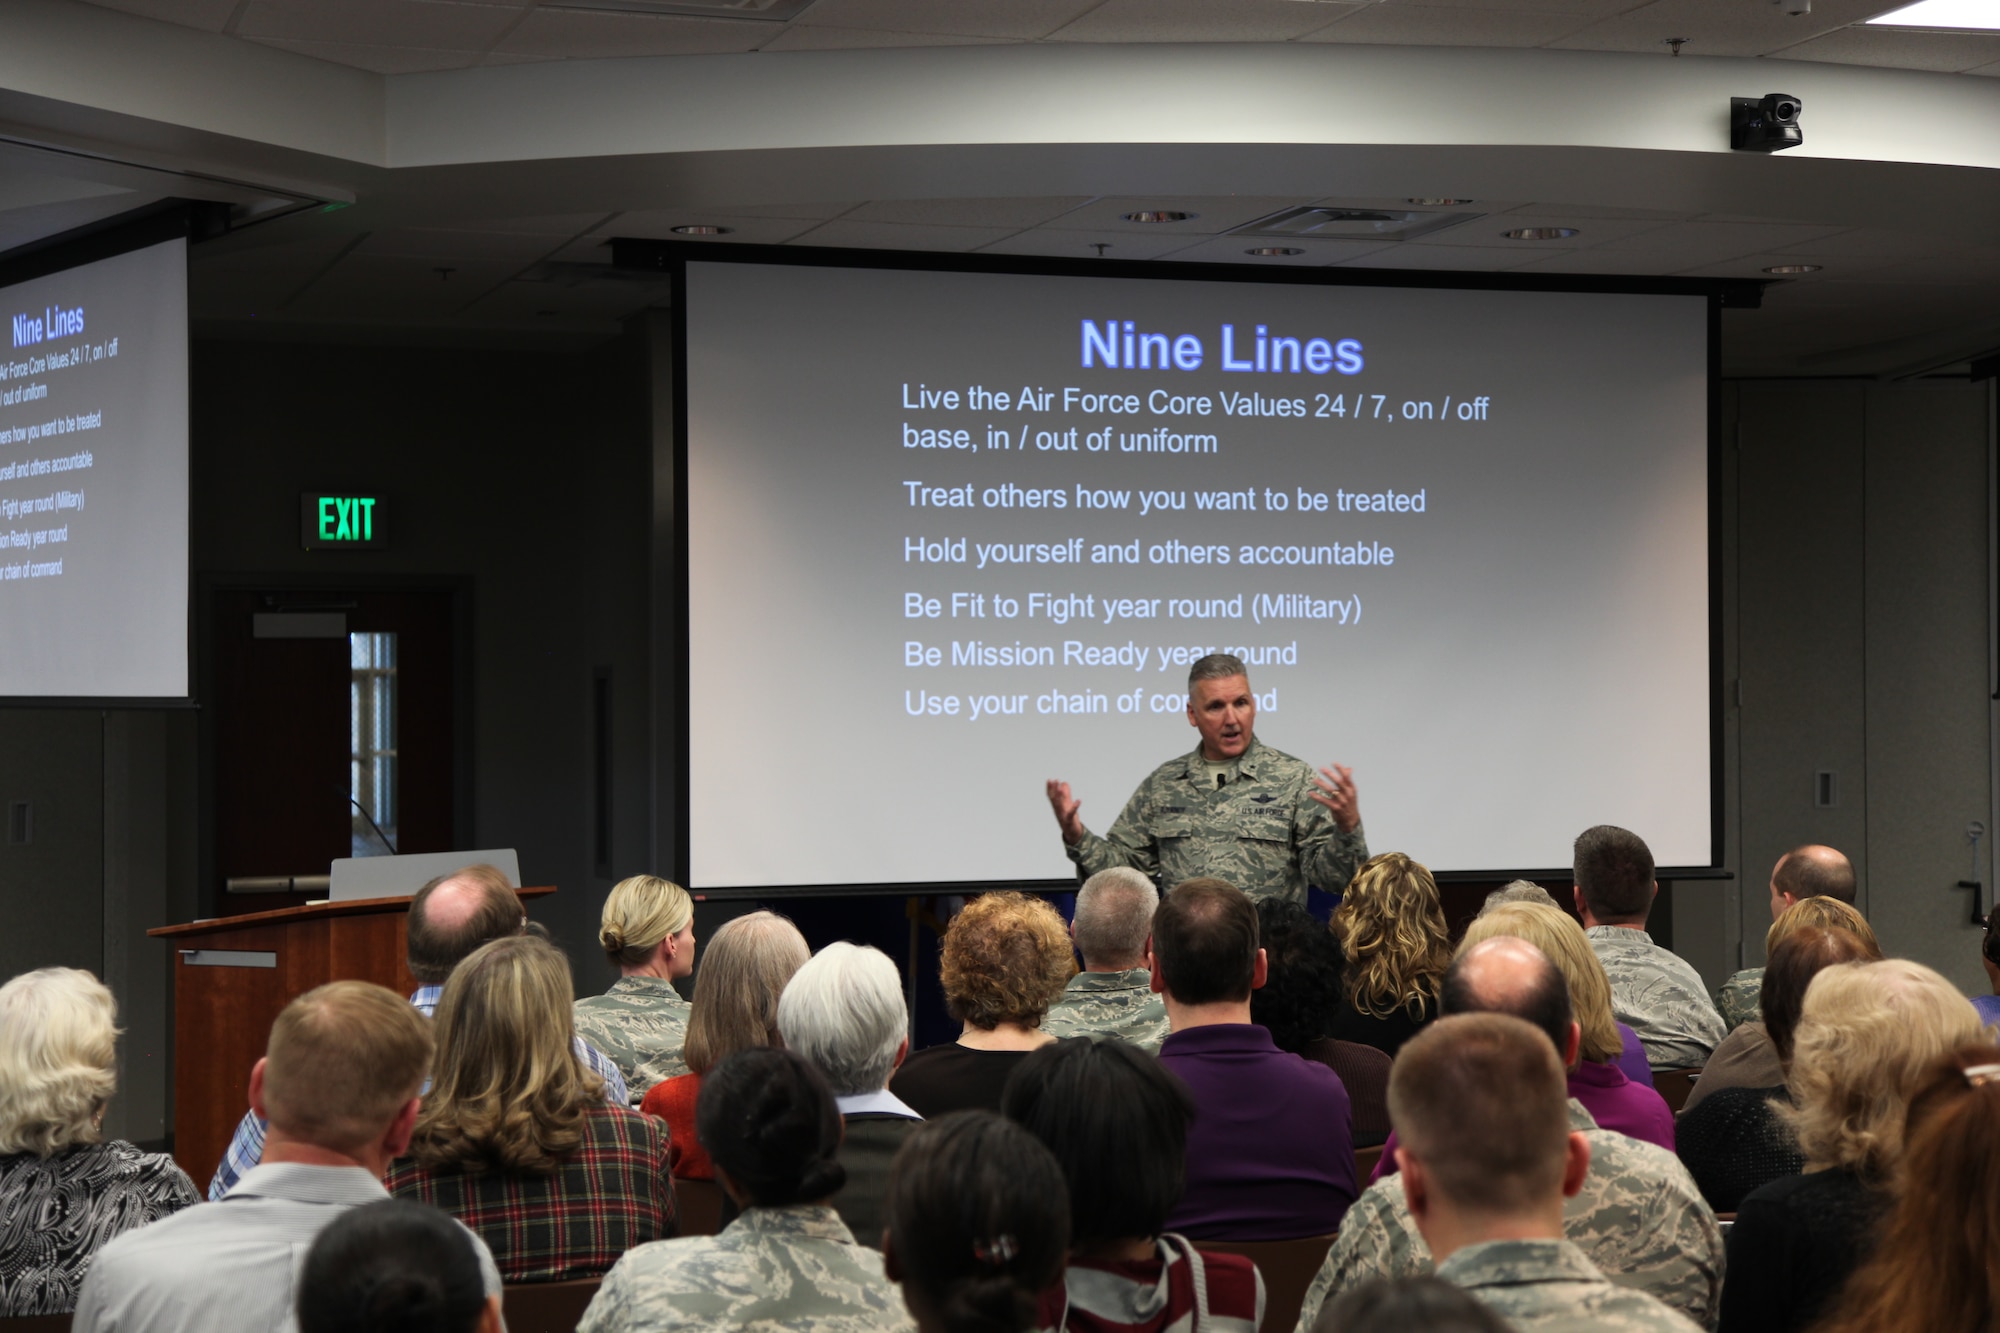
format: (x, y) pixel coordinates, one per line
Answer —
(35, 1323)
(1364, 1072)
(699, 1204)
(1364, 1163)
(1675, 1086)
(1288, 1266)
(545, 1307)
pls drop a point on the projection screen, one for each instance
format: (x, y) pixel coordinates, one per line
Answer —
(951, 534)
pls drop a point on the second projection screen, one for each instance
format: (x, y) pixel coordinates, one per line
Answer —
(951, 535)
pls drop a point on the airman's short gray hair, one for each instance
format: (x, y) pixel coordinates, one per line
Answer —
(843, 1012)
(1519, 891)
(1217, 666)
(1114, 915)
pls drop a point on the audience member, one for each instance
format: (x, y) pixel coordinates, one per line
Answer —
(1746, 1058)
(978, 1225)
(1615, 1100)
(769, 1124)
(449, 917)
(1802, 874)
(1298, 1000)
(1117, 1123)
(1735, 1141)
(1515, 891)
(648, 934)
(1638, 1217)
(338, 1089)
(64, 1189)
(1867, 1036)
(1391, 929)
(1113, 995)
(1488, 1158)
(1934, 1266)
(1654, 990)
(1006, 957)
(1407, 1305)
(843, 1014)
(395, 1267)
(744, 970)
(1989, 958)
(1271, 1152)
(515, 1140)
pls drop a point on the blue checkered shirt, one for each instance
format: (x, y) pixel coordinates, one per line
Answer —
(247, 1148)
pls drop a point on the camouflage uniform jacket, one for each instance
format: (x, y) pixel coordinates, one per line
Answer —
(1261, 831)
(1110, 1004)
(1660, 996)
(640, 1023)
(1548, 1286)
(772, 1270)
(1639, 1219)
(1738, 1000)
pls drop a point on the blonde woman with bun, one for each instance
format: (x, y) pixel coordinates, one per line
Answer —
(641, 1022)
(1390, 924)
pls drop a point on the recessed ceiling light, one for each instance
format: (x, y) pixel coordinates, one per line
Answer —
(1783, 270)
(1274, 251)
(703, 229)
(1976, 15)
(1438, 203)
(1540, 233)
(1158, 215)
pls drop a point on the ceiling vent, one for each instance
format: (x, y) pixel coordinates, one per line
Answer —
(1353, 224)
(763, 11)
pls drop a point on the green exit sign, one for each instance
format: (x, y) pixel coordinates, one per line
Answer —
(339, 522)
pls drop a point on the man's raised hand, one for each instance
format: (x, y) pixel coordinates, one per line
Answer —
(1066, 806)
(1333, 788)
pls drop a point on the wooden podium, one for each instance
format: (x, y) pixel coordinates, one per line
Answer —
(232, 976)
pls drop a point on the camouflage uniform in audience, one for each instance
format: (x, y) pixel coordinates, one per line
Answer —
(1660, 996)
(1737, 1001)
(1638, 1218)
(1110, 1004)
(772, 1270)
(1259, 831)
(641, 1023)
(1548, 1286)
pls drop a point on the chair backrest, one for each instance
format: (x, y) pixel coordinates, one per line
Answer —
(547, 1307)
(35, 1323)
(1365, 1071)
(1364, 1164)
(1288, 1266)
(699, 1206)
(1675, 1085)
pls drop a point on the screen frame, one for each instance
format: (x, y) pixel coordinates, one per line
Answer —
(144, 228)
(673, 257)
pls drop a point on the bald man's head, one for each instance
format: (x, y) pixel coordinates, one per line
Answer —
(454, 914)
(1508, 975)
(1811, 871)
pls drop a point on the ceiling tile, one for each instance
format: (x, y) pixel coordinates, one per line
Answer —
(1900, 48)
(818, 212)
(1588, 211)
(1212, 213)
(1716, 27)
(1318, 254)
(578, 34)
(1753, 266)
(384, 286)
(1201, 21)
(553, 224)
(445, 25)
(1025, 212)
(379, 59)
(1459, 258)
(798, 38)
(206, 14)
(1486, 231)
(660, 226)
(454, 246)
(1680, 245)
(1049, 243)
(1450, 25)
(896, 236)
(1023, 20)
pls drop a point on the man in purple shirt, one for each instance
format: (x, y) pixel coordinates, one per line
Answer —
(1271, 1153)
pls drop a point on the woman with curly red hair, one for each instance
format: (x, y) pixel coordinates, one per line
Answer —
(1006, 960)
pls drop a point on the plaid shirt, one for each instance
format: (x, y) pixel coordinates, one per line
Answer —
(246, 1149)
(610, 1194)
